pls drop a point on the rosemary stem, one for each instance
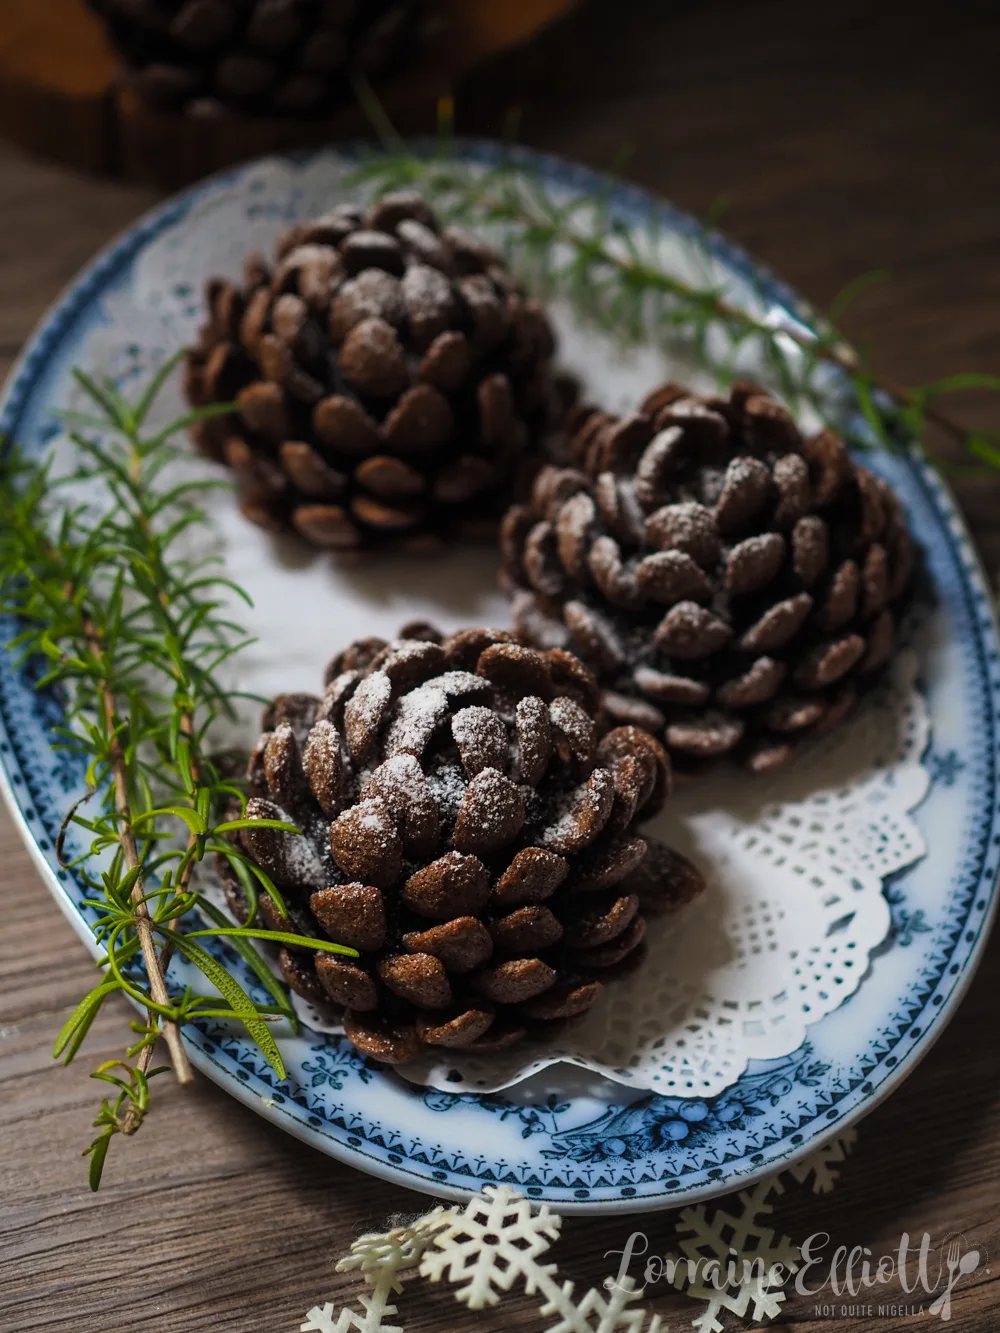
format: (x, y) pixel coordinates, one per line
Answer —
(156, 964)
(130, 852)
(182, 1069)
(842, 356)
(133, 1116)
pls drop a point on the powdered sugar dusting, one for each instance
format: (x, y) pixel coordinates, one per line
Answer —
(570, 719)
(461, 684)
(337, 691)
(371, 819)
(407, 650)
(487, 794)
(448, 782)
(687, 526)
(415, 719)
(578, 814)
(404, 772)
(481, 737)
(427, 292)
(368, 705)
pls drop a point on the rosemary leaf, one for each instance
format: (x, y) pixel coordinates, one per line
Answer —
(576, 247)
(133, 633)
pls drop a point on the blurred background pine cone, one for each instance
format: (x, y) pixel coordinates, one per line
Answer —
(733, 583)
(465, 829)
(273, 57)
(391, 379)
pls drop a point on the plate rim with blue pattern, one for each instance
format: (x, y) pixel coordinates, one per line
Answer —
(581, 1150)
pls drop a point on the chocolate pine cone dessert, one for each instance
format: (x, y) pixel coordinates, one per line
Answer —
(464, 828)
(733, 583)
(391, 381)
(269, 57)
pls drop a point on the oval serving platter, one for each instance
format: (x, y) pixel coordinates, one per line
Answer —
(590, 1145)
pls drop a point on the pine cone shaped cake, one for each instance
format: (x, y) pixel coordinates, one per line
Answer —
(391, 380)
(732, 583)
(466, 831)
(274, 57)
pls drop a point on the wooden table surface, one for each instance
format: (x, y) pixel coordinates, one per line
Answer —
(845, 138)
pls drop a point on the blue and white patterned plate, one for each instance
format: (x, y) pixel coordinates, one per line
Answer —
(591, 1145)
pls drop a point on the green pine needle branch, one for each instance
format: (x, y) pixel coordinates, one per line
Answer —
(133, 632)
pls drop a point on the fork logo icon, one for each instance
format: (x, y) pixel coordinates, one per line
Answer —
(958, 1265)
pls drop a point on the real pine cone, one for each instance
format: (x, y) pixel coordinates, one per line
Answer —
(392, 381)
(733, 583)
(273, 57)
(465, 830)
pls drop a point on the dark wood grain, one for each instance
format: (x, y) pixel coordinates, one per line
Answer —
(846, 138)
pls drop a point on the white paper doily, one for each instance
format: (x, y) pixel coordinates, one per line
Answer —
(796, 862)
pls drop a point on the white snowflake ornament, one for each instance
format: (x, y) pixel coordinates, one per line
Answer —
(748, 1262)
(735, 1262)
(381, 1256)
(609, 1311)
(395, 1251)
(821, 1168)
(374, 1309)
(732, 1260)
(494, 1241)
(737, 1236)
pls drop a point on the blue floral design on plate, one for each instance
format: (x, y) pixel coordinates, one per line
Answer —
(945, 766)
(586, 1145)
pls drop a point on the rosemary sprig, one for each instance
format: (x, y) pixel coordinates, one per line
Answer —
(578, 247)
(134, 632)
